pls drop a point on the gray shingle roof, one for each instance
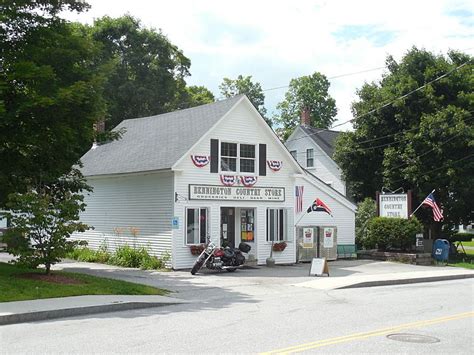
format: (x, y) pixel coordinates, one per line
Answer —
(326, 139)
(156, 142)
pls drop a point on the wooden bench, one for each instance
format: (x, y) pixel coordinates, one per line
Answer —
(346, 251)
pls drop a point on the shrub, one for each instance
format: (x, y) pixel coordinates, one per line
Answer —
(391, 233)
(366, 210)
(461, 237)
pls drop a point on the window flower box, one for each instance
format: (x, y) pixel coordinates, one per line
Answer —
(196, 249)
(279, 246)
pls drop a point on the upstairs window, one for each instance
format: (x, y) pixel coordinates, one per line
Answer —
(294, 154)
(236, 157)
(309, 158)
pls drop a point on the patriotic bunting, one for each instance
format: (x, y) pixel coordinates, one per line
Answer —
(200, 160)
(275, 165)
(248, 181)
(229, 180)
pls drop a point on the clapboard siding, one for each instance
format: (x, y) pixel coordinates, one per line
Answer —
(244, 126)
(343, 214)
(324, 167)
(142, 201)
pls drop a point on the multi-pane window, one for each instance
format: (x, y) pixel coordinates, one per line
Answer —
(196, 225)
(247, 158)
(276, 224)
(228, 156)
(238, 157)
(309, 158)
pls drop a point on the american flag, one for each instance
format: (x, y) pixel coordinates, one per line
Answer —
(430, 201)
(299, 198)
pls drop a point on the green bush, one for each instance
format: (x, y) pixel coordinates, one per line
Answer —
(125, 256)
(366, 210)
(392, 233)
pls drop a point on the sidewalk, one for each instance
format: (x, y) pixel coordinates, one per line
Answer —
(247, 282)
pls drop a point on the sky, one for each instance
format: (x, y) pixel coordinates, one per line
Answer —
(275, 41)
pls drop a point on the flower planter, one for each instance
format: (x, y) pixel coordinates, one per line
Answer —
(196, 249)
(279, 246)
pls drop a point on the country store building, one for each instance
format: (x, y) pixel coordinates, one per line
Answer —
(216, 170)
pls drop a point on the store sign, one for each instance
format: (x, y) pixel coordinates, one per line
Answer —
(236, 193)
(393, 205)
(308, 237)
(328, 235)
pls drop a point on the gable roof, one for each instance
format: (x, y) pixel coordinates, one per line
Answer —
(155, 142)
(324, 138)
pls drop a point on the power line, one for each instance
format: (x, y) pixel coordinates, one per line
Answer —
(330, 78)
(389, 102)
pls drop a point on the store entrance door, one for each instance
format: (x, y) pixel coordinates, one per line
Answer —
(228, 227)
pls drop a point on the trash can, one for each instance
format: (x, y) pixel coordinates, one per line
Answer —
(440, 250)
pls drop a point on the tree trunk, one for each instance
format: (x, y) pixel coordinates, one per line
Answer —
(48, 268)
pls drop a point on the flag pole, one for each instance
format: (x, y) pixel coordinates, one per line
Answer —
(298, 221)
(411, 214)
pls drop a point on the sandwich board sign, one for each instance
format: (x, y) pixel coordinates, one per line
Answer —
(319, 267)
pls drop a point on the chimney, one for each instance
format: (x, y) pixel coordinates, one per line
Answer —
(305, 117)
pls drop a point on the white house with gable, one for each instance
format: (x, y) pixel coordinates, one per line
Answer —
(214, 170)
(313, 148)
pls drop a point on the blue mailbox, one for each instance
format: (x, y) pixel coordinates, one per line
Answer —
(440, 250)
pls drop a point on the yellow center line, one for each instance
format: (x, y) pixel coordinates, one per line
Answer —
(346, 338)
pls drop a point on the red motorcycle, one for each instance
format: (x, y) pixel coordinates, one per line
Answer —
(215, 258)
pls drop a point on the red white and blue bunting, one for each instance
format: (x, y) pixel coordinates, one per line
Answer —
(229, 180)
(248, 181)
(275, 165)
(200, 160)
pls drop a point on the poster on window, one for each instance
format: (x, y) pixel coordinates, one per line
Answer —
(328, 237)
(308, 237)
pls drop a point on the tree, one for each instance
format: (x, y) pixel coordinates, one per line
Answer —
(42, 220)
(148, 71)
(49, 95)
(195, 96)
(244, 85)
(415, 139)
(310, 93)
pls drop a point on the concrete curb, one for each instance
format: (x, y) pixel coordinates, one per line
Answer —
(407, 281)
(78, 311)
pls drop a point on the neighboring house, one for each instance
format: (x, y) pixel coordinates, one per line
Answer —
(313, 148)
(216, 170)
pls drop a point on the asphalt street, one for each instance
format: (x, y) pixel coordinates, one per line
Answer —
(254, 318)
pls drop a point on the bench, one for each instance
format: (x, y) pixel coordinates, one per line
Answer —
(347, 251)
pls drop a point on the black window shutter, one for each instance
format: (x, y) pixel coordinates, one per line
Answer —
(214, 155)
(262, 159)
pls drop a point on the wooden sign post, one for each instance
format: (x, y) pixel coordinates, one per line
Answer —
(319, 267)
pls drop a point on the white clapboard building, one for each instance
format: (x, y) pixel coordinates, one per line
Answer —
(215, 170)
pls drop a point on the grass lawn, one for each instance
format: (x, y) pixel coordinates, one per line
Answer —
(468, 244)
(466, 262)
(15, 286)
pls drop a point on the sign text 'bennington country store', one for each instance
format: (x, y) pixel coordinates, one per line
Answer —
(211, 192)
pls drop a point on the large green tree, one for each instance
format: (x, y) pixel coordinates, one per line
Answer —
(50, 96)
(245, 85)
(310, 93)
(195, 96)
(413, 129)
(148, 71)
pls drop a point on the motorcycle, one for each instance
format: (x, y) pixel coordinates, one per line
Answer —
(215, 258)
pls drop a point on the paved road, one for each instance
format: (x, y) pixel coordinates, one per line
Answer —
(255, 317)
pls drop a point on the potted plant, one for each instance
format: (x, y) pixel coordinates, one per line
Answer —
(279, 246)
(196, 249)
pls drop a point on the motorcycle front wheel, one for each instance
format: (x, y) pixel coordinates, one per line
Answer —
(197, 265)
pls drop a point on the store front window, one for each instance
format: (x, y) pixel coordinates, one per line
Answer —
(196, 225)
(247, 225)
(276, 224)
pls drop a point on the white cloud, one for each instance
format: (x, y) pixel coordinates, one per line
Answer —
(275, 41)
